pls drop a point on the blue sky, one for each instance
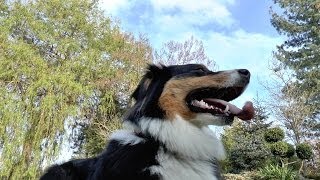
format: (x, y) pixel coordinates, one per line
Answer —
(236, 34)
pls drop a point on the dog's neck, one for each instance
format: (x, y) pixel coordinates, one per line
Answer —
(183, 138)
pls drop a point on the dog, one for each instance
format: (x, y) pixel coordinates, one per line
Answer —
(166, 134)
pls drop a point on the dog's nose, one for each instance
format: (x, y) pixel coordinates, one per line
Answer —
(244, 73)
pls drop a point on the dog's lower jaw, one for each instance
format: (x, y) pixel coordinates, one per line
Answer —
(205, 119)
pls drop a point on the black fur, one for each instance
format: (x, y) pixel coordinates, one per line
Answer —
(118, 162)
(127, 162)
(79, 169)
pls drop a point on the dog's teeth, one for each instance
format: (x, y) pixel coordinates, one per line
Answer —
(204, 104)
(195, 103)
(226, 109)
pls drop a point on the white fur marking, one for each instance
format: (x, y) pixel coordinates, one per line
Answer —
(126, 137)
(233, 79)
(175, 168)
(184, 138)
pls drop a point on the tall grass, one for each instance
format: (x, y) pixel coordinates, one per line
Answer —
(276, 172)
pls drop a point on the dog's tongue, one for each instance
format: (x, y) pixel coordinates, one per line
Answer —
(246, 113)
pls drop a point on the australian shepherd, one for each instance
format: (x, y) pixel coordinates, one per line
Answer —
(166, 134)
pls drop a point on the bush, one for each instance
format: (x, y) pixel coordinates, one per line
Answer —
(274, 135)
(304, 151)
(290, 151)
(279, 149)
(245, 146)
(272, 172)
(250, 154)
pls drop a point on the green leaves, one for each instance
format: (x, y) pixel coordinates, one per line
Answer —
(271, 172)
(245, 145)
(304, 151)
(299, 58)
(300, 52)
(282, 149)
(274, 135)
(63, 63)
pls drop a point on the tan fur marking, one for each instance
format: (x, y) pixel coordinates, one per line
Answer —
(172, 99)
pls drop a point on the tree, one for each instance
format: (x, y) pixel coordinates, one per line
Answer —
(278, 147)
(244, 143)
(62, 63)
(136, 54)
(304, 152)
(299, 55)
(190, 51)
(290, 107)
(300, 22)
(283, 150)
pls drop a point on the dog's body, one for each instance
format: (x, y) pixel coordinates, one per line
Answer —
(166, 135)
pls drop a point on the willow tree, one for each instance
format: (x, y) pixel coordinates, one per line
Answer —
(61, 61)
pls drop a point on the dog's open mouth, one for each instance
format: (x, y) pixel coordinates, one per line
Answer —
(216, 102)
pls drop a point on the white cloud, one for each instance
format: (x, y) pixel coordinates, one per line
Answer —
(113, 6)
(241, 49)
(194, 13)
(152, 16)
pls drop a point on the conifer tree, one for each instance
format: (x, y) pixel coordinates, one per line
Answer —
(299, 56)
(299, 21)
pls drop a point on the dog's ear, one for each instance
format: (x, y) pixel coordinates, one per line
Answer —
(153, 73)
(141, 89)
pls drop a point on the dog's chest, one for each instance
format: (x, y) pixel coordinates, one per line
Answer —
(173, 168)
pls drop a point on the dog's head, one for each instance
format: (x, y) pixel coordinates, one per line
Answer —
(192, 92)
